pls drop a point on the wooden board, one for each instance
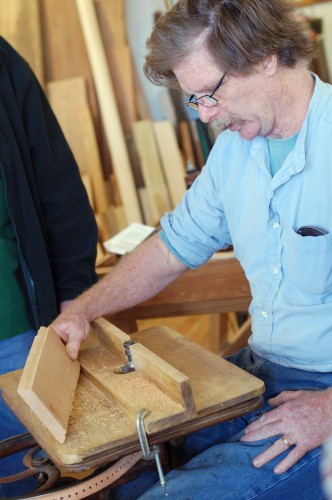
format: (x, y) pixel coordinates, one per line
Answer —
(164, 376)
(65, 51)
(157, 195)
(215, 382)
(109, 110)
(111, 337)
(102, 428)
(20, 26)
(49, 381)
(113, 15)
(66, 57)
(68, 99)
(193, 293)
(122, 73)
(186, 143)
(171, 159)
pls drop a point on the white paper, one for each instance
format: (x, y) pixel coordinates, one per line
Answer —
(129, 238)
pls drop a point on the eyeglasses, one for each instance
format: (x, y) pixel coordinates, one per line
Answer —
(208, 101)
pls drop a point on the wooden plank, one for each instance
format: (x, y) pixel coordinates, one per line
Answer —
(171, 160)
(113, 31)
(49, 381)
(122, 74)
(164, 376)
(186, 143)
(196, 144)
(112, 14)
(66, 57)
(111, 337)
(68, 99)
(20, 26)
(193, 293)
(157, 195)
(65, 51)
(109, 111)
(215, 382)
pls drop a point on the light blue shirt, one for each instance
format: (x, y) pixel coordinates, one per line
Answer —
(235, 201)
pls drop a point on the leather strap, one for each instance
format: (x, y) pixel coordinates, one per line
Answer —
(96, 483)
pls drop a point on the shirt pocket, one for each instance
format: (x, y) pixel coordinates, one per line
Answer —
(308, 260)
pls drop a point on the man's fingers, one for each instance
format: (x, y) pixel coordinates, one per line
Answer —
(283, 397)
(293, 456)
(262, 431)
(269, 418)
(72, 348)
(280, 446)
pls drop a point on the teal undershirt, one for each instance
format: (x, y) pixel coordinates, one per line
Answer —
(279, 149)
(13, 315)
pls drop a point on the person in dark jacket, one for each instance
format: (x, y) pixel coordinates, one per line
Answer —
(48, 234)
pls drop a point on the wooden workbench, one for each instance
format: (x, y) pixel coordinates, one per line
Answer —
(219, 286)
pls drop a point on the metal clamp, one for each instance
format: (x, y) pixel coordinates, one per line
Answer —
(148, 454)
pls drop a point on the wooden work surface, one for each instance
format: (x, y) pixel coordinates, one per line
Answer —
(215, 287)
(102, 428)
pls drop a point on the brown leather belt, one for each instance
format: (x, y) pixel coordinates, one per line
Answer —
(96, 483)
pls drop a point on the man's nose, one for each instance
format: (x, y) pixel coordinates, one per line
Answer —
(206, 115)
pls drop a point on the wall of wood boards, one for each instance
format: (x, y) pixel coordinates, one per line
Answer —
(80, 54)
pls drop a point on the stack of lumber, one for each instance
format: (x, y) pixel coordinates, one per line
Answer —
(132, 167)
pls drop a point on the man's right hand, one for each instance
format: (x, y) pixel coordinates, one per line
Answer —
(72, 329)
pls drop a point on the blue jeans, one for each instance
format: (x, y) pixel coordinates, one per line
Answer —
(13, 355)
(220, 465)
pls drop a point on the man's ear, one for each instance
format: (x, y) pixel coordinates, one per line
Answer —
(269, 65)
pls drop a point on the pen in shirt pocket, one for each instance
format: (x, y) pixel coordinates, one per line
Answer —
(311, 231)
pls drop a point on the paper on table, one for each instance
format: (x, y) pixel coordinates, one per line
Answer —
(128, 239)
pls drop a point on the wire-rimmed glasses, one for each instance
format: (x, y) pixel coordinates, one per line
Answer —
(208, 101)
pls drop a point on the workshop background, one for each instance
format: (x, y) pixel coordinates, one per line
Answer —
(135, 143)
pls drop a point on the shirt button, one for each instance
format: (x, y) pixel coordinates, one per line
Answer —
(264, 314)
(275, 271)
(276, 225)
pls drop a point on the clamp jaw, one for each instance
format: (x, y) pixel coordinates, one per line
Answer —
(149, 454)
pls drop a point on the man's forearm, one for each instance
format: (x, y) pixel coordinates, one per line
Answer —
(136, 278)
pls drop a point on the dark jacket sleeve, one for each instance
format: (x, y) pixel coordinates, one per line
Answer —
(51, 210)
(69, 223)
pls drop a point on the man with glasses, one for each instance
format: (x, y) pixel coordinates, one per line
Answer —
(266, 190)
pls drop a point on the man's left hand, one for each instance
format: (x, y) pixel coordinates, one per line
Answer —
(302, 418)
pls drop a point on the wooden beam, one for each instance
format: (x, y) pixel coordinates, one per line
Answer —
(171, 159)
(20, 26)
(48, 382)
(168, 379)
(109, 111)
(122, 74)
(112, 14)
(69, 101)
(66, 57)
(111, 337)
(157, 195)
